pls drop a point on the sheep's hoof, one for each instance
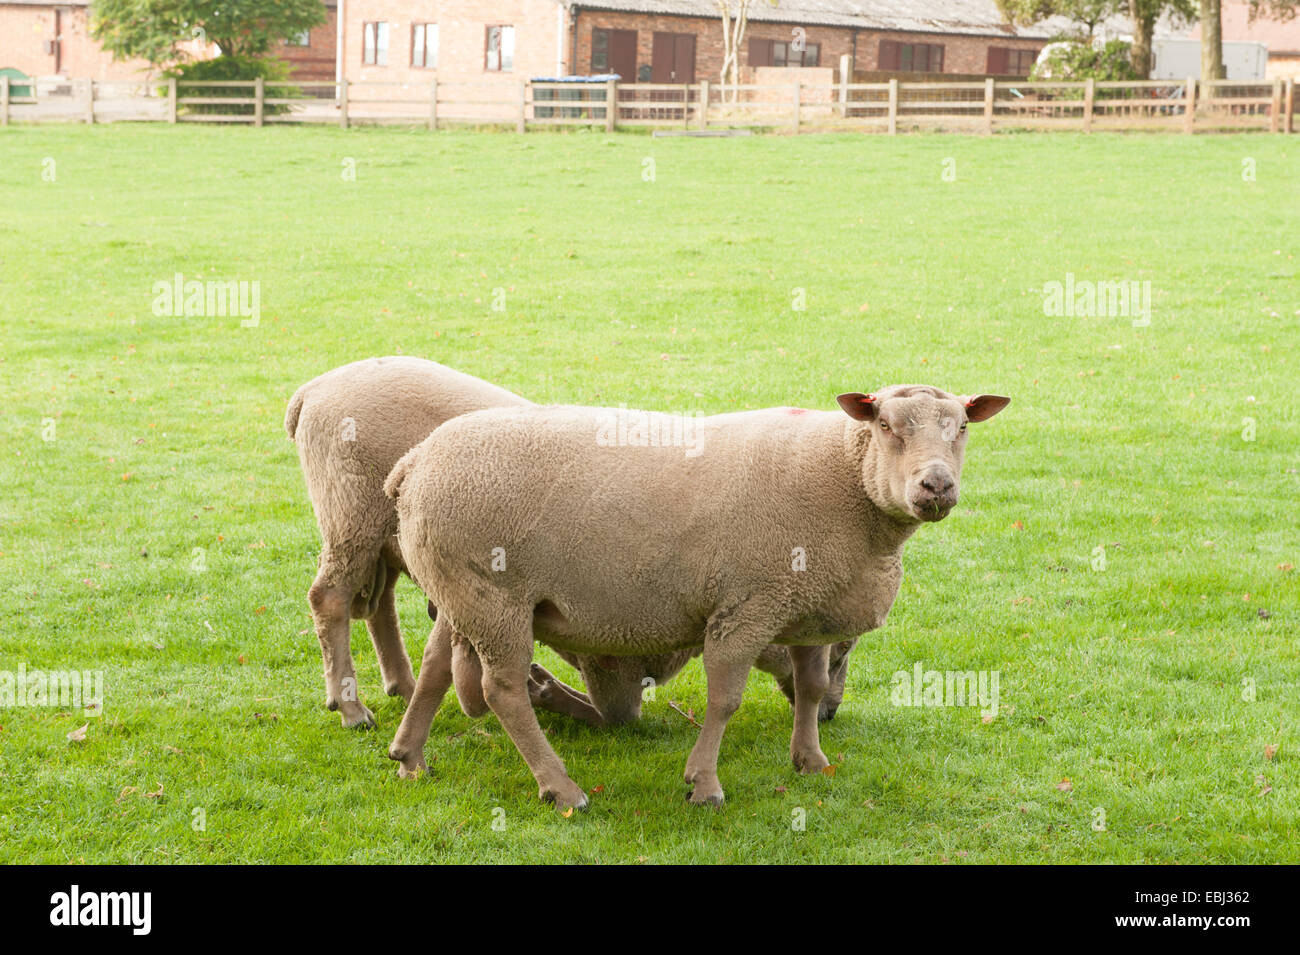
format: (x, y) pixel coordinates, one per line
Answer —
(358, 716)
(409, 767)
(699, 796)
(813, 761)
(567, 795)
(403, 688)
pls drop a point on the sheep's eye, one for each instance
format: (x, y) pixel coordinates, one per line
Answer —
(883, 426)
(963, 426)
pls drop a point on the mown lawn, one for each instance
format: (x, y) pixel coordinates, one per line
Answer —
(154, 525)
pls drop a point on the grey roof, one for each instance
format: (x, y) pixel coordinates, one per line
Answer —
(970, 17)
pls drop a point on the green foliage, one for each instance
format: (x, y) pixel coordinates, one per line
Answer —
(1080, 61)
(273, 71)
(166, 436)
(154, 29)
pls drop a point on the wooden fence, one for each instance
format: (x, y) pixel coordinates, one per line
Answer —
(891, 107)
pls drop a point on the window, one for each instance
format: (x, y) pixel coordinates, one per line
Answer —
(599, 52)
(374, 43)
(424, 45)
(911, 57)
(300, 39)
(1005, 61)
(783, 53)
(500, 49)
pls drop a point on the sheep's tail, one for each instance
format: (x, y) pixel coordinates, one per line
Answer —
(294, 410)
(396, 477)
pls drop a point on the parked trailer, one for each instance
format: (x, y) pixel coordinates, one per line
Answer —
(1179, 59)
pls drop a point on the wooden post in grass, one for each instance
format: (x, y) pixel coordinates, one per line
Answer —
(259, 99)
(988, 106)
(1275, 108)
(611, 105)
(1189, 105)
(90, 102)
(893, 107)
(171, 99)
(1089, 94)
(686, 106)
(433, 104)
(1288, 118)
(521, 120)
(704, 104)
(343, 103)
(4, 100)
(795, 105)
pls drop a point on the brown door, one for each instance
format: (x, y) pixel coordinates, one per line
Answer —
(622, 54)
(673, 58)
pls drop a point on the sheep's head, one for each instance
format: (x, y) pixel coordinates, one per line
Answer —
(915, 439)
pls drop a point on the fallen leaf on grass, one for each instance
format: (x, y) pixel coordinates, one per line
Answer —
(568, 812)
(79, 734)
(1065, 785)
(156, 794)
(1270, 750)
(829, 771)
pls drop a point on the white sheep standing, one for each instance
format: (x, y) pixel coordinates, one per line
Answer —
(784, 527)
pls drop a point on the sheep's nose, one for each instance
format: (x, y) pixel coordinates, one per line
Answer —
(937, 484)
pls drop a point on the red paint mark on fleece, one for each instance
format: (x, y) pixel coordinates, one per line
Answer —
(795, 410)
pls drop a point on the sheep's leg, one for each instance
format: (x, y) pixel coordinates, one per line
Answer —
(467, 676)
(435, 676)
(547, 692)
(811, 679)
(726, 664)
(505, 687)
(386, 635)
(330, 606)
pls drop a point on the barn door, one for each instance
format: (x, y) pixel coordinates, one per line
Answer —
(622, 54)
(672, 58)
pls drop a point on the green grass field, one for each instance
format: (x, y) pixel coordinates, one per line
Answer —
(154, 524)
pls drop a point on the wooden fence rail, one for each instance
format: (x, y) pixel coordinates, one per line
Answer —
(983, 106)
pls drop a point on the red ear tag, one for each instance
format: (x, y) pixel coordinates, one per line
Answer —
(867, 399)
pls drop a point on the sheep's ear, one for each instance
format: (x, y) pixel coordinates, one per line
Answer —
(983, 407)
(858, 406)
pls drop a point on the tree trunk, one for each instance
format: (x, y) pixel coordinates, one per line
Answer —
(1211, 40)
(1143, 27)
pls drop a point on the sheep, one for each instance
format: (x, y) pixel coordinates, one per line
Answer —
(350, 426)
(781, 527)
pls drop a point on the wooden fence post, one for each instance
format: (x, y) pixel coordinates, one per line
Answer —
(686, 105)
(611, 105)
(259, 98)
(893, 106)
(988, 106)
(1288, 123)
(704, 104)
(844, 86)
(343, 103)
(1089, 95)
(795, 108)
(171, 99)
(1189, 105)
(433, 104)
(521, 121)
(90, 101)
(4, 100)
(1275, 108)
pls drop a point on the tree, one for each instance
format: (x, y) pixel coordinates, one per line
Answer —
(154, 30)
(1089, 13)
(1144, 14)
(735, 18)
(1211, 40)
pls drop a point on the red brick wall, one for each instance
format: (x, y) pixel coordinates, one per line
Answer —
(962, 54)
(316, 60)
